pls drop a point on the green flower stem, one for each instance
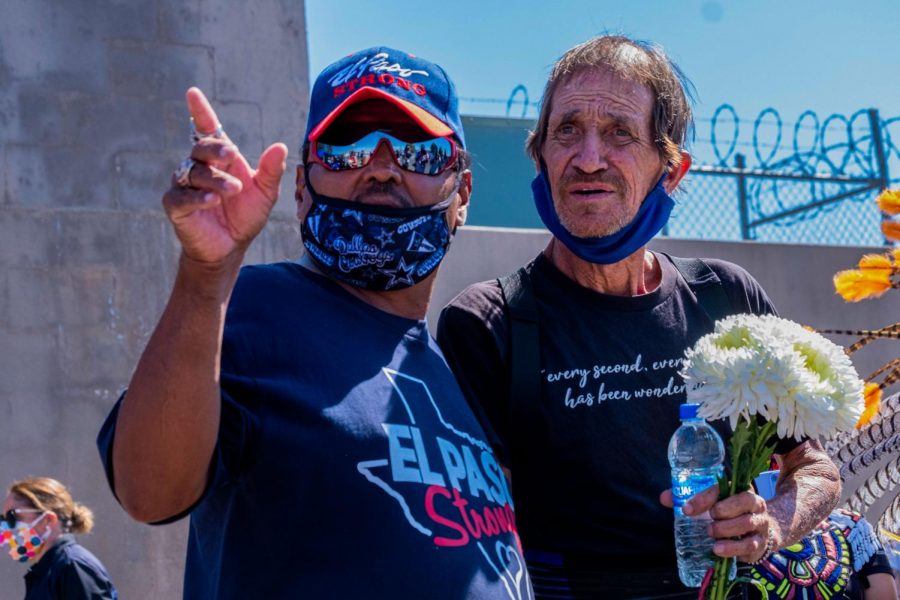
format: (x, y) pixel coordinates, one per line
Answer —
(750, 453)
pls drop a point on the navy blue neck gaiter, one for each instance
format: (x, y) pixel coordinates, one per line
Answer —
(379, 248)
(608, 249)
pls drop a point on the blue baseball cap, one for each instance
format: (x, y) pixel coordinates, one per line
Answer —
(418, 87)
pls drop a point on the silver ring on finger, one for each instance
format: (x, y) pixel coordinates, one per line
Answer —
(196, 136)
(183, 173)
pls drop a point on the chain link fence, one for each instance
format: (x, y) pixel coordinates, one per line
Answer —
(709, 208)
(820, 192)
(706, 207)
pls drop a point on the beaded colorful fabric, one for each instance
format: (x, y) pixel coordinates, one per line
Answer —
(819, 566)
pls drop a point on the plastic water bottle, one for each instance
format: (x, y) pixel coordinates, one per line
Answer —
(696, 454)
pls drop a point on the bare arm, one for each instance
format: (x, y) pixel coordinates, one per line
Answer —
(881, 587)
(169, 420)
(809, 487)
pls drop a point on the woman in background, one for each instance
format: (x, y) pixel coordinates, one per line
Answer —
(39, 518)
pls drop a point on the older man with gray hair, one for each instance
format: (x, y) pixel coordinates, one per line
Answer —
(574, 358)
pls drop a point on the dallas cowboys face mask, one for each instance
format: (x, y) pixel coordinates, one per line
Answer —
(378, 248)
(608, 249)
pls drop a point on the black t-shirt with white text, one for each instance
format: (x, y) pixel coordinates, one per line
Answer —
(608, 404)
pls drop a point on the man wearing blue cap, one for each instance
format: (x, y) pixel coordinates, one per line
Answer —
(300, 413)
(575, 357)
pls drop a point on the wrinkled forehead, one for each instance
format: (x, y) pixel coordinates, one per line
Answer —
(612, 76)
(605, 90)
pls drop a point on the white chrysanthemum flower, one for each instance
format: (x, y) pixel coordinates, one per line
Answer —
(768, 366)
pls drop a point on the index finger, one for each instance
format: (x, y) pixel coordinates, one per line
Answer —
(701, 501)
(205, 119)
(739, 504)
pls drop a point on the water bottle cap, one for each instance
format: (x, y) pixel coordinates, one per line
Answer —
(688, 411)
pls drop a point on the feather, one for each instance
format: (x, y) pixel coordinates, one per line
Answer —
(877, 261)
(891, 230)
(893, 366)
(879, 429)
(888, 332)
(872, 399)
(869, 462)
(854, 286)
(862, 539)
(889, 202)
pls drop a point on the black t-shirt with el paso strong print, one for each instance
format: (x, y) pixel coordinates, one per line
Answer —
(609, 396)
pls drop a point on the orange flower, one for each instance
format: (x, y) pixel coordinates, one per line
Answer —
(889, 201)
(891, 230)
(872, 398)
(854, 286)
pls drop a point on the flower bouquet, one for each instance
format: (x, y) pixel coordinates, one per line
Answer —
(769, 377)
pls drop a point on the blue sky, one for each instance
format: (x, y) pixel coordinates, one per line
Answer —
(792, 55)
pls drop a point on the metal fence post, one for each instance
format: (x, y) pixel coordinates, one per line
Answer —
(739, 165)
(880, 158)
(878, 143)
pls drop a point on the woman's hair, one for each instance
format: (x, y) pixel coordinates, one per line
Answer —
(46, 494)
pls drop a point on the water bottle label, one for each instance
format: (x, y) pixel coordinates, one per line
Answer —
(687, 483)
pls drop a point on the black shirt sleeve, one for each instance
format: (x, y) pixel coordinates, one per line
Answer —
(744, 292)
(237, 429)
(879, 563)
(475, 348)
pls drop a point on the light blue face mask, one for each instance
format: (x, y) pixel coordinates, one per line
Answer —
(608, 249)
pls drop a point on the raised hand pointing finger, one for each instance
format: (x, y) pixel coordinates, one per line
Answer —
(220, 203)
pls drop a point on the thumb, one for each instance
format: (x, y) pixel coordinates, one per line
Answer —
(270, 169)
(665, 499)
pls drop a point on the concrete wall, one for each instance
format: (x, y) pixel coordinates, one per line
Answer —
(92, 122)
(797, 278)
